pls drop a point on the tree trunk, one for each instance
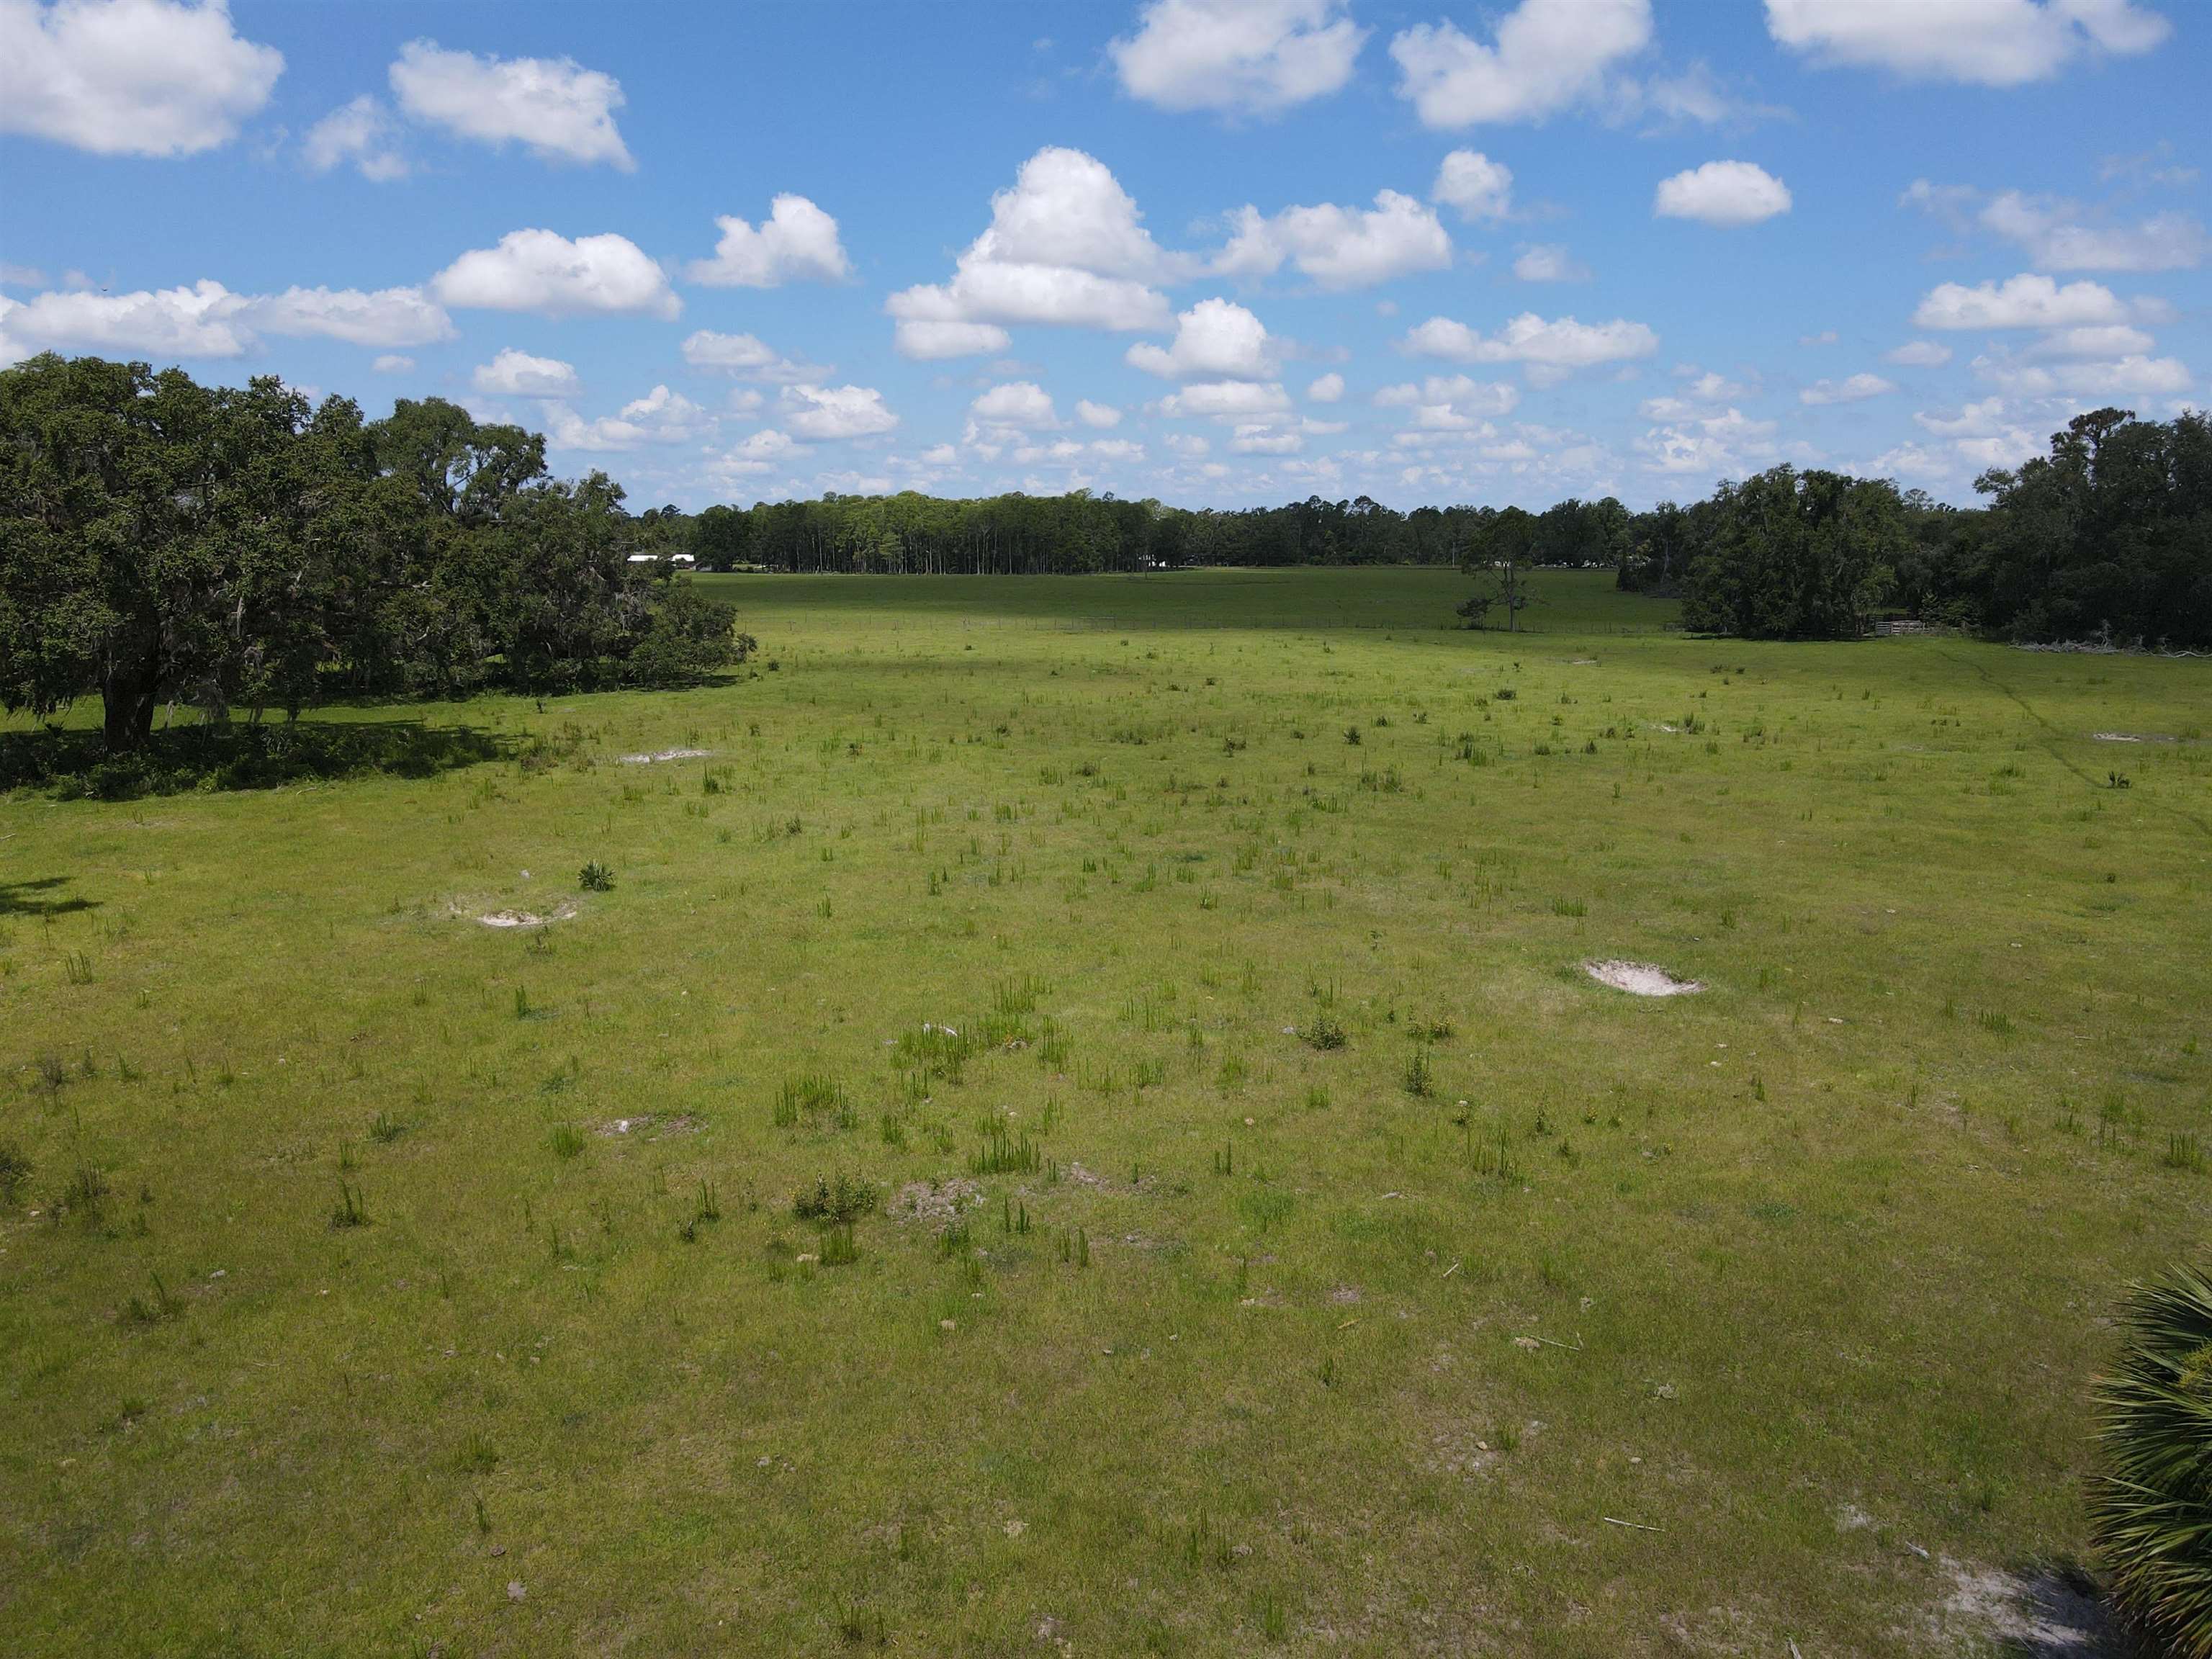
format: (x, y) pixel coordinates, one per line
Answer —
(129, 692)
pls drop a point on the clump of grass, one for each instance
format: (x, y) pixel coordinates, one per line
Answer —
(839, 1201)
(385, 1129)
(596, 877)
(86, 1193)
(860, 1625)
(1269, 1614)
(1419, 1079)
(566, 1141)
(706, 1208)
(348, 1211)
(155, 1309)
(2184, 1151)
(2151, 1508)
(811, 1095)
(839, 1247)
(1006, 1153)
(475, 1455)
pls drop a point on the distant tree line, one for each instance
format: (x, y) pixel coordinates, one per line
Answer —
(2108, 536)
(163, 541)
(1081, 533)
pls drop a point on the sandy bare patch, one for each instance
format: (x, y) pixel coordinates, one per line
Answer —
(2131, 737)
(527, 918)
(666, 754)
(647, 1126)
(936, 1202)
(1641, 979)
(2039, 1615)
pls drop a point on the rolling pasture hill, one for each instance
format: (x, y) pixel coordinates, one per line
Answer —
(1070, 1114)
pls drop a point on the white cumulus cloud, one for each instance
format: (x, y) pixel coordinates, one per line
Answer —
(1066, 245)
(1725, 193)
(661, 416)
(797, 242)
(1473, 186)
(1215, 340)
(514, 373)
(362, 133)
(203, 320)
(1340, 248)
(745, 357)
(1450, 402)
(1990, 43)
(543, 271)
(2024, 301)
(553, 106)
(1548, 262)
(1229, 401)
(1853, 389)
(388, 317)
(2054, 237)
(826, 413)
(129, 78)
(1017, 403)
(1329, 389)
(1548, 351)
(1548, 55)
(1101, 415)
(209, 320)
(1253, 57)
(1918, 353)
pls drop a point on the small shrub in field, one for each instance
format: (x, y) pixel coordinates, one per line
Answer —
(1324, 1033)
(2152, 1509)
(839, 1202)
(596, 877)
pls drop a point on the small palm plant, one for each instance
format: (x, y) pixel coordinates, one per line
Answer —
(2152, 1506)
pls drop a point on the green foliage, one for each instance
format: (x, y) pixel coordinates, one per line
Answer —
(233, 549)
(2152, 1507)
(1790, 555)
(596, 877)
(2105, 538)
(838, 1202)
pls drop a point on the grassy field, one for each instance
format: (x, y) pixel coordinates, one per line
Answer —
(1336, 1267)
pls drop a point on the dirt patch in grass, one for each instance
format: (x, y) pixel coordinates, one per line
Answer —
(2040, 1614)
(527, 918)
(649, 1127)
(938, 1203)
(666, 754)
(1641, 979)
(2133, 737)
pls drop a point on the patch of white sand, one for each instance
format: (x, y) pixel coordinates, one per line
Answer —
(666, 754)
(1641, 979)
(526, 918)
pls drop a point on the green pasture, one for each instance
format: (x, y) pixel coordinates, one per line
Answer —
(1250, 1229)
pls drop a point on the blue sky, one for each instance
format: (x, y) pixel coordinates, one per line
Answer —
(737, 253)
